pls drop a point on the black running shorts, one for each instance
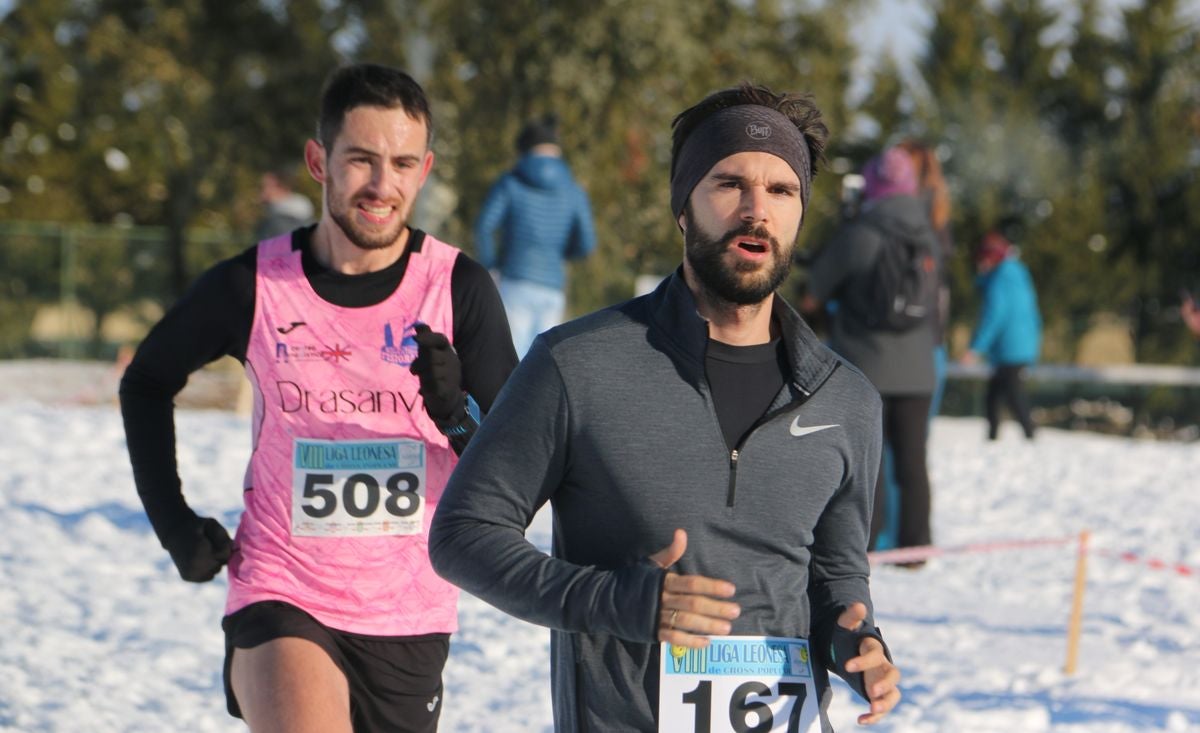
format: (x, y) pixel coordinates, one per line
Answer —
(395, 681)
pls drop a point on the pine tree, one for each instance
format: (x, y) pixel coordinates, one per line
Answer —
(1087, 141)
(615, 74)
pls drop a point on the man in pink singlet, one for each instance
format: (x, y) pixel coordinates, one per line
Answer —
(362, 339)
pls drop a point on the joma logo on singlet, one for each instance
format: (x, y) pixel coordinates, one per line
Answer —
(296, 398)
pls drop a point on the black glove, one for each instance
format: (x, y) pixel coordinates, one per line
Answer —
(199, 548)
(844, 646)
(440, 372)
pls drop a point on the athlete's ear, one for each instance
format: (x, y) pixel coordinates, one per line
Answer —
(314, 160)
(680, 221)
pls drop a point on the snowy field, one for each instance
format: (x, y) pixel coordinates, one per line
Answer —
(99, 633)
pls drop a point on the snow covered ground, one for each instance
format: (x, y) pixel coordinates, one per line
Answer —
(99, 634)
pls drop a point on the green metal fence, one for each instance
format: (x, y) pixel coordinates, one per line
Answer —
(84, 290)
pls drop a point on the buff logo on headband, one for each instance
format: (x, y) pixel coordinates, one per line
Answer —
(739, 129)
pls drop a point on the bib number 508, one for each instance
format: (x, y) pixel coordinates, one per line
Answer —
(361, 494)
(746, 715)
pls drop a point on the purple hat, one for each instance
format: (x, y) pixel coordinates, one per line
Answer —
(889, 174)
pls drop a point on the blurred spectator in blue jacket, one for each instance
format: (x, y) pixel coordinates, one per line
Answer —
(1009, 332)
(542, 218)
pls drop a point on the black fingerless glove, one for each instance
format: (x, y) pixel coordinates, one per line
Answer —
(199, 547)
(440, 372)
(843, 647)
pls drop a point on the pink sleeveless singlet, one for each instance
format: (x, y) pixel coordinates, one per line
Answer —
(347, 467)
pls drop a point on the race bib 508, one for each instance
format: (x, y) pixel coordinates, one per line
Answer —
(357, 487)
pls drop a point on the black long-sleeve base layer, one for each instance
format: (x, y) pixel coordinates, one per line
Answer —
(214, 319)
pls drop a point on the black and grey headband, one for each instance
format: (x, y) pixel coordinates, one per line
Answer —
(743, 128)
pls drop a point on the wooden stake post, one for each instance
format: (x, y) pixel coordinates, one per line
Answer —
(1073, 628)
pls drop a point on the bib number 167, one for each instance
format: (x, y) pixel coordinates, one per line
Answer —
(745, 714)
(738, 684)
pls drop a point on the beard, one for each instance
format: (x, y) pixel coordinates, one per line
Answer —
(740, 283)
(360, 236)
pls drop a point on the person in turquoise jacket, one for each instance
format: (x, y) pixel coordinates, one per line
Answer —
(1009, 332)
(541, 217)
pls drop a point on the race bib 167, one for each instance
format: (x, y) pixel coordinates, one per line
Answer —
(738, 684)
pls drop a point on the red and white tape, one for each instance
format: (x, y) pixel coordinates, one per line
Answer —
(925, 552)
(1150, 562)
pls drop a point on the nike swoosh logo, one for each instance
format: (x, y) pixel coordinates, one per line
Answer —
(293, 327)
(432, 704)
(798, 431)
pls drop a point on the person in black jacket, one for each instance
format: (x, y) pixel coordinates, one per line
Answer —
(900, 363)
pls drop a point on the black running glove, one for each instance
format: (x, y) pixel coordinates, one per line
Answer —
(844, 646)
(199, 548)
(440, 372)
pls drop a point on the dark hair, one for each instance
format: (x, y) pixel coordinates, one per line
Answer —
(369, 85)
(801, 109)
(541, 130)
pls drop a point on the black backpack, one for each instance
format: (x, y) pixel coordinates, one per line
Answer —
(902, 285)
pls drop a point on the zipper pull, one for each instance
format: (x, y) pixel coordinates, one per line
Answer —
(733, 459)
